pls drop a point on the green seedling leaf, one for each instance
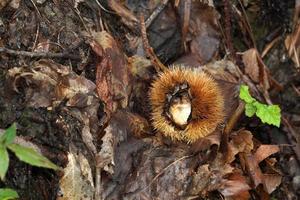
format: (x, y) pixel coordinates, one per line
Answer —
(4, 160)
(7, 194)
(9, 135)
(31, 157)
(269, 114)
(250, 109)
(245, 95)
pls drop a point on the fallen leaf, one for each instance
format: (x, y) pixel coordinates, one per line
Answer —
(241, 142)
(203, 33)
(112, 76)
(265, 151)
(251, 64)
(271, 182)
(77, 182)
(50, 83)
(235, 186)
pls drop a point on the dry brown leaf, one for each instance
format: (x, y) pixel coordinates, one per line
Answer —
(251, 64)
(265, 151)
(203, 34)
(105, 158)
(206, 142)
(256, 69)
(112, 77)
(50, 83)
(126, 15)
(77, 182)
(236, 187)
(241, 142)
(271, 182)
(253, 169)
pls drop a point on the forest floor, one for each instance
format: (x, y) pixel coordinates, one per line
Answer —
(75, 76)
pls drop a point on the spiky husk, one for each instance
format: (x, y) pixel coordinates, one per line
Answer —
(207, 103)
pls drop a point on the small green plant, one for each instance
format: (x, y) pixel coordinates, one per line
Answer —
(25, 154)
(7, 194)
(269, 114)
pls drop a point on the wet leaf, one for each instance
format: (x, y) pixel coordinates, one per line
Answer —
(31, 157)
(8, 194)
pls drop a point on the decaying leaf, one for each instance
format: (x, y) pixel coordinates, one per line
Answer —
(203, 33)
(255, 68)
(236, 187)
(265, 151)
(77, 182)
(112, 77)
(50, 83)
(139, 67)
(241, 142)
(105, 158)
(3, 3)
(251, 64)
(126, 15)
(224, 70)
(269, 181)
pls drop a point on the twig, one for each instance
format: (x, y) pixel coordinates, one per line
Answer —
(149, 51)
(228, 128)
(102, 7)
(227, 12)
(269, 46)
(247, 24)
(295, 147)
(156, 12)
(36, 8)
(36, 36)
(186, 20)
(38, 54)
(234, 118)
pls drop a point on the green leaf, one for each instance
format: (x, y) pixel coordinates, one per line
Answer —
(9, 135)
(6, 194)
(4, 160)
(269, 114)
(31, 157)
(250, 109)
(245, 95)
